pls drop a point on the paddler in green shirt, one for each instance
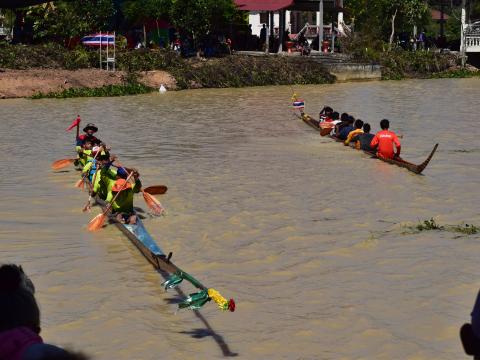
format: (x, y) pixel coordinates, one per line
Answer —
(93, 161)
(103, 179)
(122, 206)
(84, 152)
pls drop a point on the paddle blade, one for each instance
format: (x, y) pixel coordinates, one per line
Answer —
(156, 189)
(153, 204)
(97, 222)
(80, 184)
(325, 132)
(60, 164)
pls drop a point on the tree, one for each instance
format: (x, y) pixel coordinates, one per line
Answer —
(138, 11)
(67, 19)
(381, 18)
(201, 17)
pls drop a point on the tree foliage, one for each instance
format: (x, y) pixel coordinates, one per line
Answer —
(375, 17)
(202, 16)
(67, 19)
(138, 11)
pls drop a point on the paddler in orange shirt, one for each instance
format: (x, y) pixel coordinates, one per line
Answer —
(384, 140)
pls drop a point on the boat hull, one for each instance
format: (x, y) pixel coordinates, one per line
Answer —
(416, 169)
(140, 237)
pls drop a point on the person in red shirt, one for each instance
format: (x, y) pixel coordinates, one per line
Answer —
(384, 140)
(89, 130)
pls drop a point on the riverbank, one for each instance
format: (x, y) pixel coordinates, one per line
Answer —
(215, 73)
(35, 82)
(51, 71)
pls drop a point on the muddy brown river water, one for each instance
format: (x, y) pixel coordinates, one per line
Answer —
(308, 236)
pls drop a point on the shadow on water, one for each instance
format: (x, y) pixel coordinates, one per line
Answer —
(199, 333)
(173, 300)
(61, 171)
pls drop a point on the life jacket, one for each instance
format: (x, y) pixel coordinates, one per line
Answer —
(93, 169)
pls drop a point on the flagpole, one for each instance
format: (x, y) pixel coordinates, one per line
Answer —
(100, 47)
(114, 50)
(108, 45)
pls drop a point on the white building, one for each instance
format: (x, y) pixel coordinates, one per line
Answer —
(279, 16)
(295, 20)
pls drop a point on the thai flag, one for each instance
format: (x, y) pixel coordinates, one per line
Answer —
(98, 39)
(299, 104)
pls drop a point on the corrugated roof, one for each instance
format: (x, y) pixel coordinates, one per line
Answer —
(437, 15)
(263, 5)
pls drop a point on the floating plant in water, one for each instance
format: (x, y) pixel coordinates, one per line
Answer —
(431, 224)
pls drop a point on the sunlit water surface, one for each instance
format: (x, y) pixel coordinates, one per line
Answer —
(308, 236)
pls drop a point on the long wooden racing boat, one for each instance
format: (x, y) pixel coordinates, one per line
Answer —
(173, 275)
(417, 169)
(140, 237)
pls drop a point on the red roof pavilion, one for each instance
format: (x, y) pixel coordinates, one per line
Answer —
(263, 5)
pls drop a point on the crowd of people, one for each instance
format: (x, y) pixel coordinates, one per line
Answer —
(346, 128)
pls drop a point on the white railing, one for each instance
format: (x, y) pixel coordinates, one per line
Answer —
(472, 43)
(472, 37)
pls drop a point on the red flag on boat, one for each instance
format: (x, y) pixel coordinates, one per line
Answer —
(74, 123)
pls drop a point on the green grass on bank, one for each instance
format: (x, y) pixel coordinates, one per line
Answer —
(104, 91)
(229, 71)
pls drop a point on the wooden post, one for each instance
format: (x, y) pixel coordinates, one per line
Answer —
(281, 30)
(114, 49)
(415, 37)
(267, 36)
(462, 33)
(442, 20)
(271, 27)
(100, 47)
(108, 45)
(333, 40)
(340, 18)
(272, 24)
(320, 26)
(144, 36)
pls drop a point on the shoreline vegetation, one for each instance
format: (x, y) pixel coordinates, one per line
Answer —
(51, 71)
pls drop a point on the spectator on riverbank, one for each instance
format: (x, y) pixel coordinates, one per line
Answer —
(263, 35)
(20, 321)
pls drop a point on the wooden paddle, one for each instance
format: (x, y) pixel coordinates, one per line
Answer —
(97, 222)
(156, 189)
(152, 190)
(60, 164)
(155, 206)
(153, 203)
(326, 131)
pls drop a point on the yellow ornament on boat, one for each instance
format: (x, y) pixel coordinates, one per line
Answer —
(219, 299)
